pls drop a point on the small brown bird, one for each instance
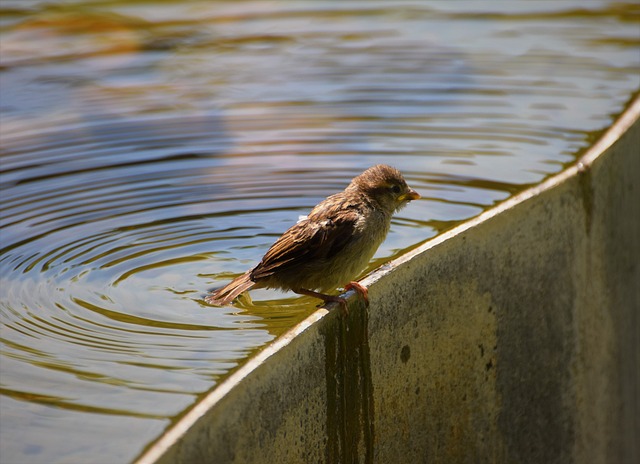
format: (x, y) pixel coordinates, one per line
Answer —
(332, 244)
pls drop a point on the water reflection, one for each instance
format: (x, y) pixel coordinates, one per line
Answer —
(152, 152)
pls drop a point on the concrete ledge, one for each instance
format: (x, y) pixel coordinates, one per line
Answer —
(514, 337)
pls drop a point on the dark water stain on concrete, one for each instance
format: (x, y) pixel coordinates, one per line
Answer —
(350, 408)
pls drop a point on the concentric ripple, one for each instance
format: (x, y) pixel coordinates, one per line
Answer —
(152, 152)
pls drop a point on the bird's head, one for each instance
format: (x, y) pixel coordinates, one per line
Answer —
(385, 186)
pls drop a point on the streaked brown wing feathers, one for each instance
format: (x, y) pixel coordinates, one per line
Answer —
(305, 241)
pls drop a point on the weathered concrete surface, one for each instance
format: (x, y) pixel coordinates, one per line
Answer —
(514, 338)
(523, 329)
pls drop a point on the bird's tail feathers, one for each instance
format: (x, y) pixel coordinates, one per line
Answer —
(228, 293)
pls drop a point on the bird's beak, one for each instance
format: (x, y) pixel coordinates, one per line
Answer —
(410, 195)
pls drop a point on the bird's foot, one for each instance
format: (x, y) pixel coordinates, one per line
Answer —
(359, 289)
(326, 299)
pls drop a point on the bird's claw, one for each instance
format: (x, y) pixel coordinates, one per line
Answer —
(360, 289)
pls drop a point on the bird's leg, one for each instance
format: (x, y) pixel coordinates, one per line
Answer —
(326, 298)
(360, 289)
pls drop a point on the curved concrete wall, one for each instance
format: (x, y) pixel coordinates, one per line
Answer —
(512, 338)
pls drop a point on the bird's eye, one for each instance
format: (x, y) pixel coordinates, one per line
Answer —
(395, 189)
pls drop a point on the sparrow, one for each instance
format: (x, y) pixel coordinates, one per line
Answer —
(330, 246)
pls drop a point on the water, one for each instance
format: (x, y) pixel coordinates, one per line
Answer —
(151, 151)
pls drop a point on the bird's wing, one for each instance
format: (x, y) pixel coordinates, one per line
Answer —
(310, 239)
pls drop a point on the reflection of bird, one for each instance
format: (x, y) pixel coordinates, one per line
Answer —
(331, 245)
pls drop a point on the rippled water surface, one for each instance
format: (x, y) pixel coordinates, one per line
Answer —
(153, 150)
